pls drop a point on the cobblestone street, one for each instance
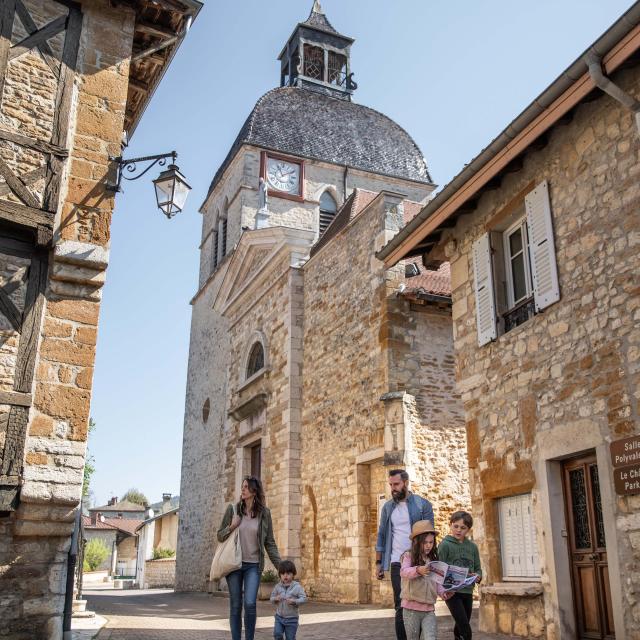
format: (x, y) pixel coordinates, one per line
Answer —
(164, 615)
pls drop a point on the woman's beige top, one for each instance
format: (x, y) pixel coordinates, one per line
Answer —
(249, 539)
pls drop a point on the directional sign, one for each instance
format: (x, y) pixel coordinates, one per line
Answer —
(625, 452)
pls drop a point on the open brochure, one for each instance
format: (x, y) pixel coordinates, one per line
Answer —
(451, 578)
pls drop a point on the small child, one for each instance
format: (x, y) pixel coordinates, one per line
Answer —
(288, 595)
(457, 550)
(419, 590)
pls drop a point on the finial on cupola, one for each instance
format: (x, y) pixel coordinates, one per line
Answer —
(317, 7)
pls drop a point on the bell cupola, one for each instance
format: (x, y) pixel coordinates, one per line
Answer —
(318, 58)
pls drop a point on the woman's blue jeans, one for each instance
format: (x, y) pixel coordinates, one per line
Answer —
(243, 589)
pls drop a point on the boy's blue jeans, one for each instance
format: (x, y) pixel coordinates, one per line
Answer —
(285, 628)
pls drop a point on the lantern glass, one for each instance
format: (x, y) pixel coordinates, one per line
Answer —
(171, 191)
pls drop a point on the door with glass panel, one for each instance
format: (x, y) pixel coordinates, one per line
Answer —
(587, 550)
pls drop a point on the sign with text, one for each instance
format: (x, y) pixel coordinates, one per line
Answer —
(625, 452)
(627, 480)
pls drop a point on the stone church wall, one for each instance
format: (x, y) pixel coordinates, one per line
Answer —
(202, 491)
(343, 418)
(566, 381)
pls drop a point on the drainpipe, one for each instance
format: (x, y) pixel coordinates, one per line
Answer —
(594, 62)
(71, 571)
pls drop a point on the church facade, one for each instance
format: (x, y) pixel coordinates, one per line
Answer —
(308, 365)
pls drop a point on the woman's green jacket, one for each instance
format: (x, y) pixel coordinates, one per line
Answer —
(265, 534)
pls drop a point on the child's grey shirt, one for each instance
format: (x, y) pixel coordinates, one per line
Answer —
(295, 591)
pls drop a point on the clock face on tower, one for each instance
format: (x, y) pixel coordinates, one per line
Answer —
(283, 175)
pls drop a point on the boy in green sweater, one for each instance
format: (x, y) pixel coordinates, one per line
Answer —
(457, 550)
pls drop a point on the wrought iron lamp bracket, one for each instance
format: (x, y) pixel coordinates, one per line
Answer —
(130, 166)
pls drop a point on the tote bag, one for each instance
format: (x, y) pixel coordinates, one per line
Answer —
(227, 558)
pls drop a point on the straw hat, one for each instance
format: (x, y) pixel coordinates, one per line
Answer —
(422, 526)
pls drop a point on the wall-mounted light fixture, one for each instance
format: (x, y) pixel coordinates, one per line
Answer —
(170, 186)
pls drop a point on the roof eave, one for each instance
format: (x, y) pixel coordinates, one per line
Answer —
(309, 26)
(617, 44)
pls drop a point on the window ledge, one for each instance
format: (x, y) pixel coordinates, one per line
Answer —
(249, 381)
(521, 589)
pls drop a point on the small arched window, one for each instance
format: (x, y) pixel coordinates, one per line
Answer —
(256, 359)
(328, 210)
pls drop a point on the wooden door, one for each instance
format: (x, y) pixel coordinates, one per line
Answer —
(587, 550)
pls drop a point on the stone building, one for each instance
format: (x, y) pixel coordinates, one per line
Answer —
(69, 88)
(543, 237)
(308, 364)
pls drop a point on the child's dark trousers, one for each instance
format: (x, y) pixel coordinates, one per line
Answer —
(285, 628)
(460, 606)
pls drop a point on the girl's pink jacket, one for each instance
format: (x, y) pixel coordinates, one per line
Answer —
(409, 571)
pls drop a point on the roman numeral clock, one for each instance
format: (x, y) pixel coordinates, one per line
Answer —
(284, 176)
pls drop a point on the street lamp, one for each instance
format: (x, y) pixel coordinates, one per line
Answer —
(171, 191)
(170, 186)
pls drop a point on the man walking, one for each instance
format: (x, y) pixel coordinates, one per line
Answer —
(397, 517)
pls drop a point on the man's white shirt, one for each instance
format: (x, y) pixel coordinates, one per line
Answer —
(400, 530)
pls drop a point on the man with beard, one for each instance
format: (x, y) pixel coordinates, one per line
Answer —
(397, 517)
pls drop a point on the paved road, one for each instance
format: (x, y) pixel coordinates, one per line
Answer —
(164, 615)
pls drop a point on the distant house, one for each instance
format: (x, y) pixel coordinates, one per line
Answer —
(119, 535)
(158, 532)
(168, 503)
(121, 509)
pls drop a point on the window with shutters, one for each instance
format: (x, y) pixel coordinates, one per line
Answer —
(518, 542)
(517, 271)
(328, 210)
(515, 266)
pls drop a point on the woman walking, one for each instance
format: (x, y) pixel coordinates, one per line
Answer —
(253, 519)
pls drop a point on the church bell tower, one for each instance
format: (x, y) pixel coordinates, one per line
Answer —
(318, 58)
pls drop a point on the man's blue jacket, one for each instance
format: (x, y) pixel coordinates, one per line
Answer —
(419, 509)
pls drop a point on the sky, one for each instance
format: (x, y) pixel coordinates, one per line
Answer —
(453, 73)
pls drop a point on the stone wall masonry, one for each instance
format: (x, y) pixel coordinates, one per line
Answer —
(35, 539)
(160, 574)
(421, 363)
(280, 471)
(344, 377)
(567, 380)
(202, 492)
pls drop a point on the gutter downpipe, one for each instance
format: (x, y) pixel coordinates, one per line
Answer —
(594, 62)
(71, 572)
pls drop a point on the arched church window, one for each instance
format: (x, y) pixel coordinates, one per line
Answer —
(328, 210)
(313, 62)
(256, 359)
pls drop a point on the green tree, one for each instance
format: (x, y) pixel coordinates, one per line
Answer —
(95, 553)
(135, 495)
(89, 467)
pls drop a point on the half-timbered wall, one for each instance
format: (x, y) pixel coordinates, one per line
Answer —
(64, 70)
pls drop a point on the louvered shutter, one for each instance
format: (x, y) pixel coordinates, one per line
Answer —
(518, 538)
(546, 290)
(485, 298)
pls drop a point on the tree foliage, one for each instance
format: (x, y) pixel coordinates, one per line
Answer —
(136, 496)
(89, 467)
(95, 553)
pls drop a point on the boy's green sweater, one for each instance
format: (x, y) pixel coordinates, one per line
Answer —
(460, 554)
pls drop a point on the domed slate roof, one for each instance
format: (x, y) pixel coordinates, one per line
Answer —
(312, 125)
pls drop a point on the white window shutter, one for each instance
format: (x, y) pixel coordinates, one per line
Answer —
(518, 538)
(546, 289)
(485, 297)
